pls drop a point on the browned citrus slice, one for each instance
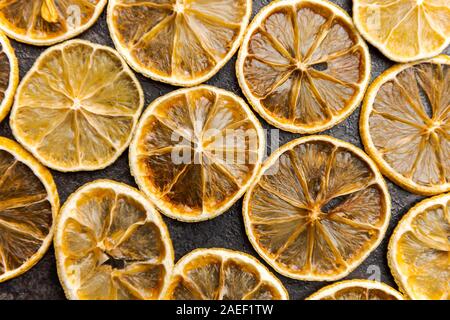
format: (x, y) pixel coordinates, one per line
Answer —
(28, 205)
(221, 274)
(317, 208)
(111, 243)
(303, 66)
(357, 290)
(46, 22)
(196, 151)
(404, 30)
(77, 107)
(405, 125)
(181, 42)
(419, 250)
(9, 75)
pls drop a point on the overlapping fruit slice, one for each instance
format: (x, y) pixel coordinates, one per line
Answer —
(303, 65)
(9, 75)
(196, 151)
(28, 205)
(111, 243)
(419, 250)
(220, 274)
(182, 42)
(404, 30)
(317, 208)
(405, 125)
(357, 290)
(45, 22)
(77, 107)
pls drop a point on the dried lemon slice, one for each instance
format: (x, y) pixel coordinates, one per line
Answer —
(111, 243)
(317, 209)
(29, 203)
(77, 107)
(221, 274)
(357, 290)
(181, 42)
(405, 125)
(419, 250)
(46, 22)
(9, 75)
(196, 151)
(404, 30)
(303, 66)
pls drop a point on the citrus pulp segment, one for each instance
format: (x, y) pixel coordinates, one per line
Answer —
(317, 208)
(111, 243)
(9, 75)
(303, 66)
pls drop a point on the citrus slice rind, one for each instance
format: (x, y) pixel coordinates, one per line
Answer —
(405, 123)
(196, 151)
(419, 248)
(180, 42)
(77, 107)
(29, 204)
(46, 22)
(404, 31)
(9, 70)
(317, 209)
(303, 66)
(222, 274)
(111, 243)
(357, 290)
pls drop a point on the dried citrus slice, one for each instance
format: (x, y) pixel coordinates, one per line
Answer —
(181, 42)
(405, 125)
(357, 290)
(9, 75)
(77, 107)
(404, 30)
(221, 274)
(46, 22)
(29, 204)
(196, 151)
(317, 209)
(303, 66)
(111, 243)
(419, 250)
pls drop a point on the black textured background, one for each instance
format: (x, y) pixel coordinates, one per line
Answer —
(227, 231)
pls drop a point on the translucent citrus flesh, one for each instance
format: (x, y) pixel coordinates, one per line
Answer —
(5, 70)
(111, 249)
(180, 39)
(197, 150)
(410, 124)
(25, 213)
(317, 211)
(77, 108)
(405, 29)
(359, 293)
(304, 65)
(212, 277)
(46, 19)
(423, 254)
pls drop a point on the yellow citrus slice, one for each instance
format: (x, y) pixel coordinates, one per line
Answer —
(317, 208)
(77, 107)
(404, 30)
(29, 204)
(9, 75)
(221, 274)
(405, 125)
(196, 151)
(46, 22)
(357, 290)
(419, 250)
(303, 66)
(111, 243)
(181, 42)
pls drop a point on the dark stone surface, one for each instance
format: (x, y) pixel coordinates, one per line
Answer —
(41, 282)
